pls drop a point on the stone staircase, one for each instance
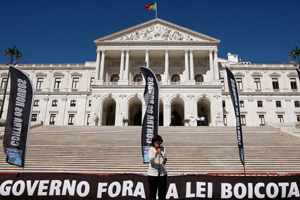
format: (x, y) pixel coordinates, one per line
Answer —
(190, 150)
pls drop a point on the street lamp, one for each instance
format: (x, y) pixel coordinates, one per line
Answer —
(295, 53)
(11, 53)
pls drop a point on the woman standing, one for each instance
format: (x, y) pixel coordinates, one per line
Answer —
(157, 174)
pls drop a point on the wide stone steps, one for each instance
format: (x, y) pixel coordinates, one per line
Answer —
(190, 150)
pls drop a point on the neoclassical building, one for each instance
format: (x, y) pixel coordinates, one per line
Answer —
(193, 81)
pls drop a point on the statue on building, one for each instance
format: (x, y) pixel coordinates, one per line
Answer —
(96, 119)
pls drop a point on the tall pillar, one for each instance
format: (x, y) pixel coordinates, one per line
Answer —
(122, 65)
(211, 67)
(147, 57)
(97, 65)
(186, 65)
(102, 65)
(192, 77)
(216, 67)
(126, 65)
(166, 67)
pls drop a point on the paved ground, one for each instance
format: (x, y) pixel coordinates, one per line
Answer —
(192, 150)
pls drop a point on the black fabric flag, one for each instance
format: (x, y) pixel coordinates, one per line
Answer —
(151, 118)
(298, 72)
(18, 117)
(234, 93)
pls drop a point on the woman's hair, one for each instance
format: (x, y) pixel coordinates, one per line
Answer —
(156, 138)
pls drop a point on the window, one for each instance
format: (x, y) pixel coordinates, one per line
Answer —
(71, 119)
(297, 104)
(224, 104)
(52, 119)
(225, 120)
(39, 84)
(199, 78)
(3, 83)
(261, 120)
(280, 119)
(275, 83)
(90, 103)
(138, 78)
(54, 103)
(259, 104)
(239, 83)
(92, 81)
(298, 118)
(75, 83)
(158, 77)
(222, 83)
(175, 78)
(278, 104)
(241, 103)
(34, 117)
(57, 83)
(243, 120)
(114, 78)
(88, 119)
(293, 84)
(257, 83)
(73, 103)
(36, 102)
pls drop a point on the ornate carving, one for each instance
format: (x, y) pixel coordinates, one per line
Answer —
(158, 32)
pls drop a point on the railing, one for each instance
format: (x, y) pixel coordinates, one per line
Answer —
(242, 174)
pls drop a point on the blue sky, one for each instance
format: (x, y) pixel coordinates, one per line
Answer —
(63, 31)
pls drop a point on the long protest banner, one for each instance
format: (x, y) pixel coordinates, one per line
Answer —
(151, 118)
(18, 117)
(234, 93)
(64, 186)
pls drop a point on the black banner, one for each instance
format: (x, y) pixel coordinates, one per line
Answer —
(151, 118)
(234, 93)
(18, 117)
(64, 186)
(298, 72)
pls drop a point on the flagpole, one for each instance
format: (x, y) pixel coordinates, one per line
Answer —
(156, 10)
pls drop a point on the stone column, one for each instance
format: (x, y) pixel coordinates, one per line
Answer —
(191, 65)
(166, 67)
(97, 65)
(102, 65)
(147, 57)
(186, 65)
(126, 65)
(211, 67)
(122, 65)
(216, 67)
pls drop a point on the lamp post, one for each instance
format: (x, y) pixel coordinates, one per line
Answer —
(11, 53)
(295, 53)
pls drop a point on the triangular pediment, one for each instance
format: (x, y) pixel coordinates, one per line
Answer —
(157, 30)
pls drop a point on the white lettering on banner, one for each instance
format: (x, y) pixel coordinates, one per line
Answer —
(18, 112)
(43, 188)
(18, 185)
(115, 188)
(201, 190)
(261, 191)
(172, 191)
(127, 188)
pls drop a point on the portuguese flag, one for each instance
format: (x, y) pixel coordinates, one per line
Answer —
(151, 6)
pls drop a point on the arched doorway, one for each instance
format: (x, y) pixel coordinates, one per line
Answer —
(109, 112)
(177, 109)
(203, 109)
(161, 113)
(135, 112)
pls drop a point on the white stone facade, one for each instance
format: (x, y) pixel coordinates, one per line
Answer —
(192, 79)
